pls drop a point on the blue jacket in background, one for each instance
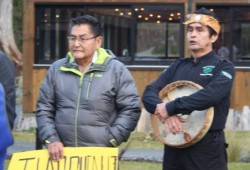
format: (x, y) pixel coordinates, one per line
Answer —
(6, 138)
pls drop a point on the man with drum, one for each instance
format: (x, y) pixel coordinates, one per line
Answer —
(216, 76)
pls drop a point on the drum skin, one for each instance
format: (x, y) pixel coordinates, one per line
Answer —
(196, 125)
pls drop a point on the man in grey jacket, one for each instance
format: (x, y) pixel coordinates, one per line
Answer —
(88, 98)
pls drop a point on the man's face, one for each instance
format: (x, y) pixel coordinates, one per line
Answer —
(199, 39)
(82, 42)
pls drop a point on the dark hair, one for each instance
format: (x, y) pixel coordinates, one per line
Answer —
(204, 11)
(86, 19)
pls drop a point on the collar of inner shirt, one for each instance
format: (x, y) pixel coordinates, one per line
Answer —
(95, 57)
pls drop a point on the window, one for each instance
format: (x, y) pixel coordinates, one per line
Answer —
(234, 41)
(116, 24)
(157, 32)
(136, 34)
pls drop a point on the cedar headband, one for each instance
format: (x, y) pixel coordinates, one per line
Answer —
(204, 20)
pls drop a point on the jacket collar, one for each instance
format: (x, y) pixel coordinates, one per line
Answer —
(99, 62)
(99, 57)
(211, 55)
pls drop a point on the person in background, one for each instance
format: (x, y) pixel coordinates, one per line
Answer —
(7, 78)
(88, 98)
(223, 52)
(216, 76)
(6, 138)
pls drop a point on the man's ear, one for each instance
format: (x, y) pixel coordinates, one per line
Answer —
(99, 42)
(214, 38)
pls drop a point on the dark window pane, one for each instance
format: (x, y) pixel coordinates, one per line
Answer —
(234, 40)
(173, 40)
(242, 31)
(151, 40)
(116, 24)
(51, 33)
(245, 41)
(158, 30)
(158, 35)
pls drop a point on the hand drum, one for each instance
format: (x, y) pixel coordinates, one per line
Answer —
(196, 124)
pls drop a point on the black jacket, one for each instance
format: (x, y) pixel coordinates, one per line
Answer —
(213, 73)
(7, 78)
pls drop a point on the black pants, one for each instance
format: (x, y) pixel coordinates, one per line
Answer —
(207, 154)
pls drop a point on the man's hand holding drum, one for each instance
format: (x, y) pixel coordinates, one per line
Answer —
(173, 123)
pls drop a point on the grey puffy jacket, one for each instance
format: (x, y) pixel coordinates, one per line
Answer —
(88, 109)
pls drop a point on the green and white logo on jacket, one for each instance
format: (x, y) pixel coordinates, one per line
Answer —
(207, 70)
(228, 75)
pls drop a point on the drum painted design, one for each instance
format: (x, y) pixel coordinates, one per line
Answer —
(196, 124)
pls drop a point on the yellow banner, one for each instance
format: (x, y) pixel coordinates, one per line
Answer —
(75, 158)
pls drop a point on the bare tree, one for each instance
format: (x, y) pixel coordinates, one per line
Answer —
(7, 41)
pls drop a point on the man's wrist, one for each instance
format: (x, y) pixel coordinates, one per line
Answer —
(50, 140)
(46, 143)
(113, 142)
(170, 108)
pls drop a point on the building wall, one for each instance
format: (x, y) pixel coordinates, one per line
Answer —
(33, 76)
(240, 94)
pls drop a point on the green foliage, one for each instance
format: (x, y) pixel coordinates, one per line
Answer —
(24, 135)
(17, 22)
(238, 145)
(140, 140)
(128, 165)
(238, 166)
(6, 164)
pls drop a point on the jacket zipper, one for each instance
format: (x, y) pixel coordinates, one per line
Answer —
(79, 93)
(77, 109)
(78, 101)
(90, 81)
